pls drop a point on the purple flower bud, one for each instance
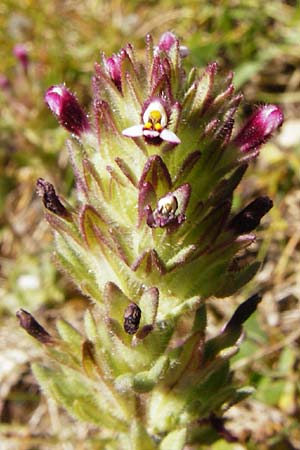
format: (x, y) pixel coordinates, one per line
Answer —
(32, 327)
(167, 41)
(113, 65)
(67, 109)
(21, 53)
(259, 127)
(51, 201)
(249, 218)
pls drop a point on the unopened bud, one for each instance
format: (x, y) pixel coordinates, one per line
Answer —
(113, 65)
(259, 127)
(242, 313)
(249, 218)
(67, 109)
(167, 41)
(32, 327)
(51, 201)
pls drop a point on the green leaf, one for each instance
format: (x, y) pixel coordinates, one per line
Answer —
(70, 335)
(149, 304)
(241, 393)
(145, 381)
(233, 281)
(82, 397)
(175, 440)
(89, 363)
(187, 306)
(115, 301)
(90, 326)
(182, 356)
(139, 437)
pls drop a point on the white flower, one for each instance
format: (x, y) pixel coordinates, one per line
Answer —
(154, 124)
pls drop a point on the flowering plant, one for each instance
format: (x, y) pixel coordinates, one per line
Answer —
(152, 237)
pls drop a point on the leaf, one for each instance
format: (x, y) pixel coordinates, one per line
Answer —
(139, 437)
(226, 187)
(149, 304)
(77, 393)
(233, 281)
(73, 259)
(70, 335)
(186, 167)
(175, 440)
(90, 326)
(182, 357)
(199, 94)
(148, 262)
(89, 363)
(181, 257)
(187, 306)
(155, 173)
(145, 381)
(115, 301)
(233, 329)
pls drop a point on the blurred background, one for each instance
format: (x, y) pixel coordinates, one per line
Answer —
(49, 42)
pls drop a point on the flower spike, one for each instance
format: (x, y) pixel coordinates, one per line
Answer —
(149, 240)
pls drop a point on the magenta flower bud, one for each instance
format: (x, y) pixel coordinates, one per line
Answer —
(67, 109)
(167, 40)
(259, 127)
(113, 65)
(21, 53)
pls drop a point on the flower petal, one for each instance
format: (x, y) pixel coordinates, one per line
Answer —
(151, 133)
(156, 105)
(169, 136)
(134, 131)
